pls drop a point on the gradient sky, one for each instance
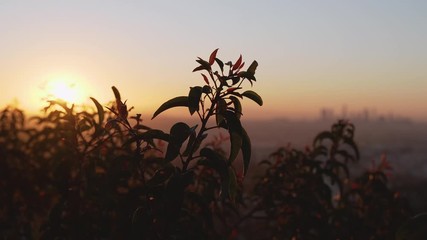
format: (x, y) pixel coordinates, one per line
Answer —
(311, 54)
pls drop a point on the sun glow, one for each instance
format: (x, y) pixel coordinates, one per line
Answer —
(67, 90)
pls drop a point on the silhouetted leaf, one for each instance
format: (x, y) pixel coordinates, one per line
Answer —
(178, 134)
(220, 64)
(206, 89)
(161, 175)
(235, 131)
(253, 96)
(116, 93)
(194, 99)
(217, 162)
(237, 106)
(205, 78)
(191, 141)
(203, 65)
(252, 68)
(353, 145)
(236, 145)
(221, 107)
(238, 63)
(181, 101)
(99, 109)
(149, 135)
(322, 136)
(213, 56)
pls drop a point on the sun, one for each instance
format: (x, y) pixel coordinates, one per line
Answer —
(66, 90)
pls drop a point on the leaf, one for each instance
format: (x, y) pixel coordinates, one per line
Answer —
(252, 68)
(220, 64)
(253, 96)
(99, 109)
(247, 75)
(246, 151)
(205, 78)
(221, 107)
(203, 65)
(323, 135)
(178, 134)
(238, 63)
(199, 68)
(212, 57)
(116, 93)
(236, 145)
(194, 99)
(353, 145)
(149, 135)
(161, 175)
(191, 141)
(235, 131)
(237, 106)
(217, 162)
(181, 101)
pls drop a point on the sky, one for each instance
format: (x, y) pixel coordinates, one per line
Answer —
(311, 54)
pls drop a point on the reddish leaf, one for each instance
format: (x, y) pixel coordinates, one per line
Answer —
(229, 90)
(205, 78)
(237, 64)
(212, 57)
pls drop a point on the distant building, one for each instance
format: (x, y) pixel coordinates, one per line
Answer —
(326, 114)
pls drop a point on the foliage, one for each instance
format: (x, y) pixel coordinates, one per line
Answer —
(100, 173)
(309, 194)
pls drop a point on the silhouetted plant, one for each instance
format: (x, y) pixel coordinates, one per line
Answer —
(309, 194)
(178, 196)
(87, 173)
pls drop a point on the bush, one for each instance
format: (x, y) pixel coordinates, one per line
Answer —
(88, 173)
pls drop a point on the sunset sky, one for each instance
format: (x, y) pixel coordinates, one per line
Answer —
(311, 54)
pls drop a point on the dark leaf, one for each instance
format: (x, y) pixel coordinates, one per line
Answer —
(178, 134)
(116, 93)
(205, 65)
(181, 101)
(206, 89)
(252, 68)
(236, 144)
(194, 99)
(217, 162)
(220, 64)
(353, 145)
(235, 131)
(191, 141)
(99, 109)
(237, 106)
(199, 68)
(253, 96)
(161, 175)
(322, 136)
